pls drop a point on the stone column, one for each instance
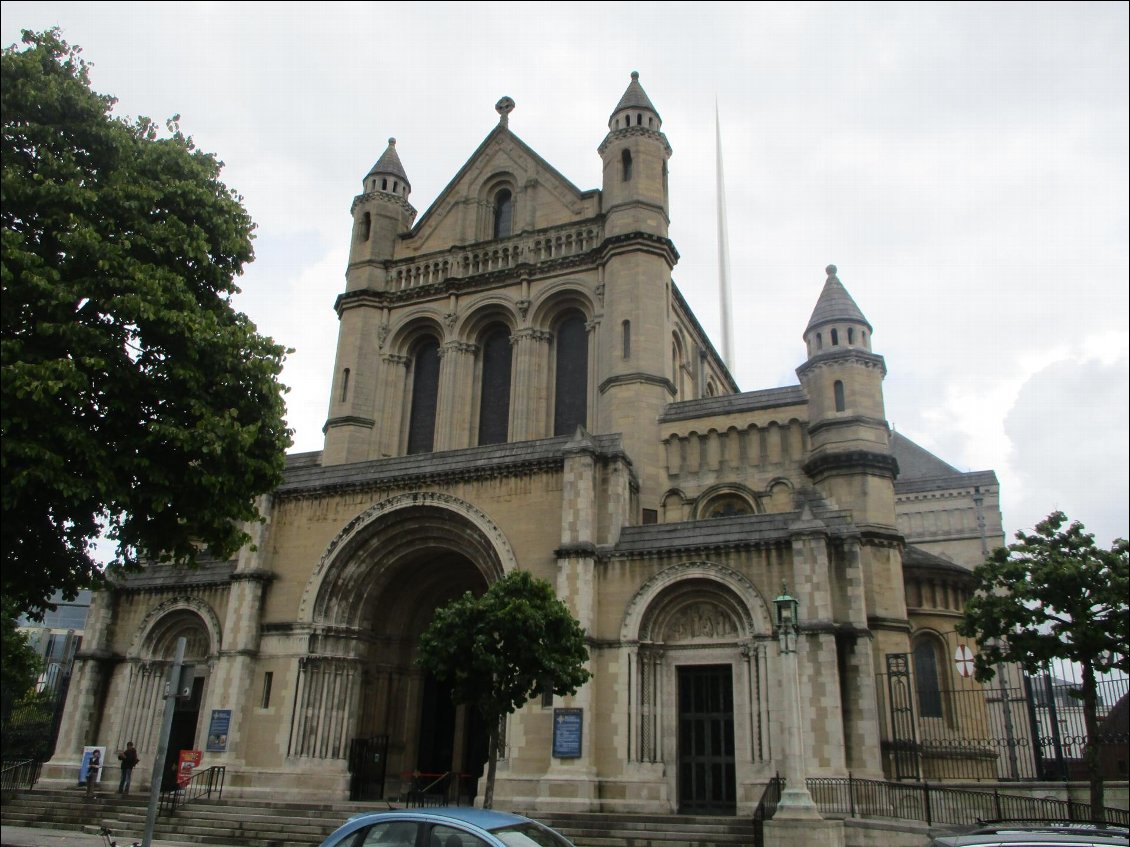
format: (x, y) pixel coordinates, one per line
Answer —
(529, 398)
(454, 409)
(391, 390)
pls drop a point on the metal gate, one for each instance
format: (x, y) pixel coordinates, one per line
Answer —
(706, 740)
(367, 761)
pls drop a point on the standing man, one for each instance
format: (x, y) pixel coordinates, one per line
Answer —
(128, 758)
(93, 768)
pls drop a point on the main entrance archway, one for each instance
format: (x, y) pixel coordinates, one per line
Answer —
(373, 594)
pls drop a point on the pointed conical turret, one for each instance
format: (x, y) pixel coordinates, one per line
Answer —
(635, 155)
(388, 173)
(836, 321)
(635, 108)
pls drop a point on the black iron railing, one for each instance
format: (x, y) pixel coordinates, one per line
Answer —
(934, 804)
(19, 776)
(203, 783)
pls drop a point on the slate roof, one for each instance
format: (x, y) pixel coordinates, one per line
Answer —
(915, 557)
(488, 460)
(726, 404)
(634, 97)
(712, 533)
(389, 163)
(921, 471)
(834, 304)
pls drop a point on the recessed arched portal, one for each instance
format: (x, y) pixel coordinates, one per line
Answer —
(372, 595)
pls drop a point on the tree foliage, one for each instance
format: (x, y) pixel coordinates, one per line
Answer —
(20, 665)
(1054, 595)
(501, 649)
(137, 402)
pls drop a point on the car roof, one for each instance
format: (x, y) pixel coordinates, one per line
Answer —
(483, 818)
(1043, 834)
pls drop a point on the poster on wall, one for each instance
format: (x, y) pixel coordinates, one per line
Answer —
(93, 760)
(218, 730)
(567, 728)
(189, 761)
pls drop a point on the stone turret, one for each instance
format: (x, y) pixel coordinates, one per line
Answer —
(380, 214)
(635, 154)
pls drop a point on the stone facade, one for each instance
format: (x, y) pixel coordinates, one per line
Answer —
(519, 384)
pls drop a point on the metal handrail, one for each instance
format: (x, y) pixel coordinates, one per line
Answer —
(19, 776)
(201, 784)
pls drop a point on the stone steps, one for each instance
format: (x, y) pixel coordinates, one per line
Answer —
(276, 824)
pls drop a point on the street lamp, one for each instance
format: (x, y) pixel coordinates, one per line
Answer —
(795, 802)
(786, 619)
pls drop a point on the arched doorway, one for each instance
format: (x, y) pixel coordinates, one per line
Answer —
(701, 683)
(377, 590)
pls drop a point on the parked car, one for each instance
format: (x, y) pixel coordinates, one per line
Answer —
(451, 826)
(1039, 834)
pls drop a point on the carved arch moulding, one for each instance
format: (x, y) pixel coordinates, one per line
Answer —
(735, 593)
(344, 546)
(167, 617)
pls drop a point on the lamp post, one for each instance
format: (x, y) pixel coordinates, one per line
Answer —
(795, 802)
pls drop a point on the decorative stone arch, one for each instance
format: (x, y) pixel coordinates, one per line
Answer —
(779, 495)
(740, 499)
(559, 297)
(498, 183)
(674, 503)
(350, 570)
(425, 321)
(736, 595)
(490, 310)
(155, 639)
(931, 669)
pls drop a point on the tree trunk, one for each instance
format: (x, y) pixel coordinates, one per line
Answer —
(492, 761)
(1091, 751)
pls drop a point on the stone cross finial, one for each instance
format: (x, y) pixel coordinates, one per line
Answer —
(504, 107)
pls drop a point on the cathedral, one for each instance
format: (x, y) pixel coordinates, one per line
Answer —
(519, 384)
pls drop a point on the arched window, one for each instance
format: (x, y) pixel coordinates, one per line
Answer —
(851, 336)
(626, 326)
(926, 679)
(494, 394)
(503, 214)
(835, 338)
(819, 341)
(365, 227)
(626, 165)
(345, 385)
(425, 394)
(571, 382)
(838, 391)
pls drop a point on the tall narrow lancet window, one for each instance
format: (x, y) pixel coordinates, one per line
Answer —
(494, 396)
(926, 680)
(838, 392)
(345, 385)
(365, 227)
(626, 326)
(626, 165)
(425, 393)
(503, 214)
(572, 367)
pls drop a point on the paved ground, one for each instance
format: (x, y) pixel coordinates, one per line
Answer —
(30, 836)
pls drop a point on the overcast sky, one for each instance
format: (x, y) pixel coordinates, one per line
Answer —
(964, 165)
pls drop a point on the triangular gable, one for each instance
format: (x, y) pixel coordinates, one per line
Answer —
(558, 200)
(916, 461)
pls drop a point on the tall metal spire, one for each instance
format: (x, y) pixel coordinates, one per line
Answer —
(723, 252)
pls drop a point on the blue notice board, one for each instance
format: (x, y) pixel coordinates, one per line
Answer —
(567, 728)
(218, 730)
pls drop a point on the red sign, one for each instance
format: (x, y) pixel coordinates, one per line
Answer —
(189, 760)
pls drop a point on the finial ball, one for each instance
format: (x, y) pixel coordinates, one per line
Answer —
(830, 270)
(392, 142)
(635, 76)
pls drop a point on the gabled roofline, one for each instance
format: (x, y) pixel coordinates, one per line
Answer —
(526, 148)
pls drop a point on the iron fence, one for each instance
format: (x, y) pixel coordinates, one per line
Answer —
(1018, 727)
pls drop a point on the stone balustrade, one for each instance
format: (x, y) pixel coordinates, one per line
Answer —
(464, 262)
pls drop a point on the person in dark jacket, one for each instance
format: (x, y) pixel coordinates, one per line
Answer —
(128, 758)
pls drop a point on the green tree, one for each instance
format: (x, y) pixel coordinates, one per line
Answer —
(1054, 595)
(20, 665)
(501, 649)
(137, 402)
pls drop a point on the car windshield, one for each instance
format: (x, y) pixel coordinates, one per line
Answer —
(529, 834)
